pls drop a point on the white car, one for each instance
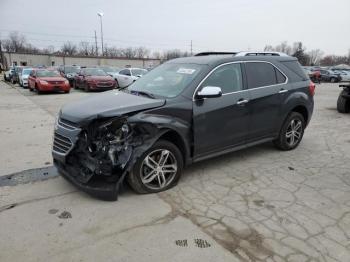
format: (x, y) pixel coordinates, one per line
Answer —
(127, 76)
(8, 73)
(345, 75)
(23, 77)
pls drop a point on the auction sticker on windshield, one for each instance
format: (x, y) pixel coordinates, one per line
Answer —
(188, 71)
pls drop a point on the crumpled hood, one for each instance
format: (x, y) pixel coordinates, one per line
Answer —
(107, 104)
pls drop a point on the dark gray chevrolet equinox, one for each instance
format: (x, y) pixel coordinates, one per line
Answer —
(183, 111)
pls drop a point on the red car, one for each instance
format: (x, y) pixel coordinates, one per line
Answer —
(94, 79)
(43, 80)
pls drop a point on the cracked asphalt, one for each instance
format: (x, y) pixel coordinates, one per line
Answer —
(259, 204)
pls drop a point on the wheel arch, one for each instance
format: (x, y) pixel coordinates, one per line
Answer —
(175, 138)
(301, 109)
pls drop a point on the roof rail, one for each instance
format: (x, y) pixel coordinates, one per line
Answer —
(261, 54)
(216, 53)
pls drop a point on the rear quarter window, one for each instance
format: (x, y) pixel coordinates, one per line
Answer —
(295, 67)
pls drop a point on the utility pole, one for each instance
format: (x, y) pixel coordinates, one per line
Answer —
(191, 48)
(101, 15)
(96, 44)
(1, 58)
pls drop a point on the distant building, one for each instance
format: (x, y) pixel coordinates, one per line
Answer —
(56, 60)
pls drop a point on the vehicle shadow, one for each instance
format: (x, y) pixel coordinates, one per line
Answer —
(233, 158)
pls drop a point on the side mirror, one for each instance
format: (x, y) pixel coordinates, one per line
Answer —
(209, 92)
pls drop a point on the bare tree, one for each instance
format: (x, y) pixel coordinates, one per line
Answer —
(142, 52)
(48, 50)
(315, 56)
(285, 48)
(69, 48)
(86, 48)
(331, 60)
(15, 42)
(113, 51)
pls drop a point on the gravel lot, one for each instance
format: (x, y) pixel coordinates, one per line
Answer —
(258, 204)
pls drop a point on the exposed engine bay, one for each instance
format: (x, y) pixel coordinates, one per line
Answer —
(103, 149)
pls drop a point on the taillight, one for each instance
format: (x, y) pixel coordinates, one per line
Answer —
(312, 88)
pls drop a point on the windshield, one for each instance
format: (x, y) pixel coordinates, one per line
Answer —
(47, 73)
(94, 72)
(71, 69)
(26, 71)
(167, 80)
(138, 72)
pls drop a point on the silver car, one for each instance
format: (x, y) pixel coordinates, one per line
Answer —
(23, 78)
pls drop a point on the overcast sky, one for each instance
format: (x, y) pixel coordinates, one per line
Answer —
(221, 25)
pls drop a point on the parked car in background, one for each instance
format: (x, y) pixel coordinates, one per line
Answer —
(329, 76)
(16, 74)
(8, 74)
(127, 76)
(93, 79)
(345, 75)
(110, 70)
(44, 80)
(69, 72)
(23, 78)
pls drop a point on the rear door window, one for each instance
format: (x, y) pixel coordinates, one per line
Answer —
(295, 67)
(260, 74)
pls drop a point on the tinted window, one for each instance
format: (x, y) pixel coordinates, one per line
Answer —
(280, 77)
(260, 74)
(125, 72)
(295, 67)
(227, 77)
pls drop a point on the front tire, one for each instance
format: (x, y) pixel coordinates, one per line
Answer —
(291, 132)
(158, 169)
(333, 80)
(343, 104)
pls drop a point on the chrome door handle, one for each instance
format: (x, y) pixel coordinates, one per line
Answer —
(283, 91)
(242, 102)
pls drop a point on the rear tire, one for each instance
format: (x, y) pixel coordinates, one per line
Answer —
(343, 104)
(144, 169)
(333, 80)
(291, 133)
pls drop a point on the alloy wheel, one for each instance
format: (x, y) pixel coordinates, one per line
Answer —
(158, 169)
(294, 132)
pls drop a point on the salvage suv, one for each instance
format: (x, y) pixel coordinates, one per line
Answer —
(184, 111)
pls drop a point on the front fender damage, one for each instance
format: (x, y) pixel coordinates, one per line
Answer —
(105, 153)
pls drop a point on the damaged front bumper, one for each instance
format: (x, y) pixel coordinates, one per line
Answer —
(97, 173)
